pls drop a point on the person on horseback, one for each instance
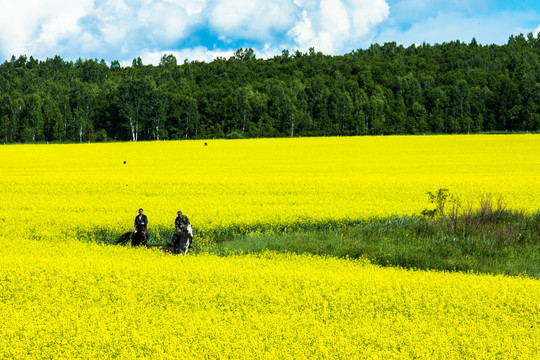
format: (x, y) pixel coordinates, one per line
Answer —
(181, 233)
(141, 222)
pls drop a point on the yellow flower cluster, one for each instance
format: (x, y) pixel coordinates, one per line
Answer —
(261, 183)
(67, 299)
(73, 300)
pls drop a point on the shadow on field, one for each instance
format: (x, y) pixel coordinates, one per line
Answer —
(164, 247)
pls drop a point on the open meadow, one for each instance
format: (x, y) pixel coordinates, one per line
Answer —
(67, 292)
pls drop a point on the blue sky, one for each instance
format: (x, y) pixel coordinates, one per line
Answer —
(205, 29)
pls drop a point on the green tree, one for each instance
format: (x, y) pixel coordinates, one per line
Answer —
(389, 89)
(4, 128)
(341, 109)
(244, 98)
(244, 54)
(280, 105)
(168, 60)
(54, 124)
(377, 114)
(83, 102)
(419, 114)
(35, 118)
(136, 96)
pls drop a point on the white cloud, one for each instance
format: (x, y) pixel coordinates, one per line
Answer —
(366, 17)
(126, 29)
(120, 29)
(536, 31)
(88, 28)
(251, 19)
(192, 7)
(113, 20)
(164, 21)
(26, 26)
(337, 25)
(303, 31)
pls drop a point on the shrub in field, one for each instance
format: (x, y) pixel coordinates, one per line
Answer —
(439, 198)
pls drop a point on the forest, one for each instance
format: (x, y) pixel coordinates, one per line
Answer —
(386, 89)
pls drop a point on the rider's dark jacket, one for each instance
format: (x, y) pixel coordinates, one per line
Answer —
(181, 222)
(142, 220)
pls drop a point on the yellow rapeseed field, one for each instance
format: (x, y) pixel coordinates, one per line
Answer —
(79, 300)
(62, 299)
(268, 182)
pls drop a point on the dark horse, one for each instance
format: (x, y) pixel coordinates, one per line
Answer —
(138, 237)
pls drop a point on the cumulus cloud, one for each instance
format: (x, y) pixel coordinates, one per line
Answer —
(203, 29)
(251, 19)
(132, 30)
(122, 29)
(88, 28)
(303, 32)
(28, 26)
(331, 26)
(167, 28)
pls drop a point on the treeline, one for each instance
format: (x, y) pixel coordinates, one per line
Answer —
(387, 89)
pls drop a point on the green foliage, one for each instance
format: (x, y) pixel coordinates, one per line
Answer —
(439, 199)
(486, 237)
(508, 243)
(386, 89)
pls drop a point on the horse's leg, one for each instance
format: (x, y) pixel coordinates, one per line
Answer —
(183, 242)
(174, 243)
(136, 240)
(143, 238)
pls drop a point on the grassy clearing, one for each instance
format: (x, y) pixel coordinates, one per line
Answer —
(485, 237)
(488, 240)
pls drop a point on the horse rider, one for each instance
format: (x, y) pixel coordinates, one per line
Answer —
(141, 221)
(181, 233)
